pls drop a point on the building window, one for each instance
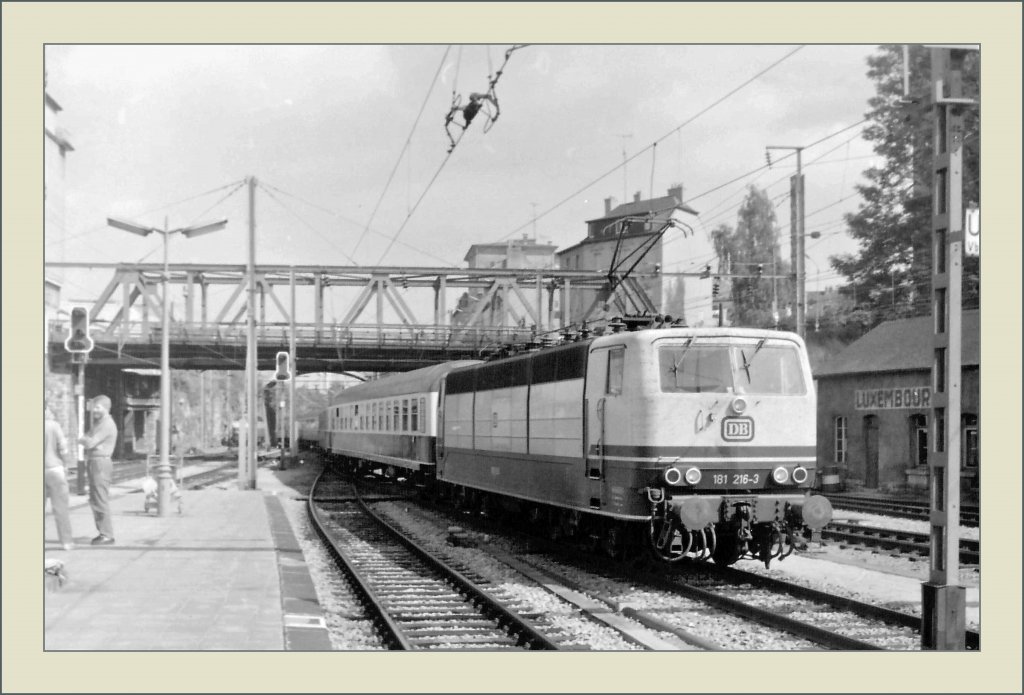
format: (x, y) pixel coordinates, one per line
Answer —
(969, 441)
(840, 439)
(919, 441)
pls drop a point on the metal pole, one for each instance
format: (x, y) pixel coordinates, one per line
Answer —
(292, 439)
(801, 276)
(163, 471)
(202, 410)
(247, 466)
(943, 600)
(80, 398)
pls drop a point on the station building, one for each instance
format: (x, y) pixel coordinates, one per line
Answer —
(875, 423)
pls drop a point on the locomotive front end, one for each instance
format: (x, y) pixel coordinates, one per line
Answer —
(732, 418)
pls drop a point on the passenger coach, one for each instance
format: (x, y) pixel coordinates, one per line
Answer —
(391, 421)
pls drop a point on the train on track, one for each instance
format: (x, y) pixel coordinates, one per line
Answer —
(684, 442)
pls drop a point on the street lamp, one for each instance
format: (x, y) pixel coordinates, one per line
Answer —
(163, 473)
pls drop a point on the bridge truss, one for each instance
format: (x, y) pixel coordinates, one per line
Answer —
(345, 318)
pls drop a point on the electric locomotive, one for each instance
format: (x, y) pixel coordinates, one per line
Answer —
(686, 441)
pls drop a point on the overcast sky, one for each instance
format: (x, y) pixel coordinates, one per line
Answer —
(322, 128)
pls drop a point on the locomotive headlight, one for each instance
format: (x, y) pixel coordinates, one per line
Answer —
(739, 405)
(672, 475)
(692, 476)
(799, 475)
(780, 475)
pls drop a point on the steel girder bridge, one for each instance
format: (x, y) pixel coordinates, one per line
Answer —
(391, 318)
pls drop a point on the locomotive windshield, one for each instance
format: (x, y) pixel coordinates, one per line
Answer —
(754, 367)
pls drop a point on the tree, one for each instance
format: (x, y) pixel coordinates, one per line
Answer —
(754, 242)
(891, 274)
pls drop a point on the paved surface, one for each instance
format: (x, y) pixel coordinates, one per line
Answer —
(225, 574)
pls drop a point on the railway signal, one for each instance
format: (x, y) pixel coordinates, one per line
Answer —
(284, 372)
(79, 341)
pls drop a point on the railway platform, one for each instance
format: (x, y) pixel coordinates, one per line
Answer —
(226, 574)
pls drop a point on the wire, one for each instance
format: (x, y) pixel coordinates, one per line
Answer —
(401, 154)
(671, 132)
(308, 225)
(343, 218)
(416, 205)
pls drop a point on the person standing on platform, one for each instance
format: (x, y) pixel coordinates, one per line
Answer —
(55, 479)
(99, 446)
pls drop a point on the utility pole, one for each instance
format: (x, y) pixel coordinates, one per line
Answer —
(293, 438)
(796, 222)
(247, 463)
(943, 600)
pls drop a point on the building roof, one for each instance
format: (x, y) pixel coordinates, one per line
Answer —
(902, 345)
(664, 205)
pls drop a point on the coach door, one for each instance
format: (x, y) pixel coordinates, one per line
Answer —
(602, 395)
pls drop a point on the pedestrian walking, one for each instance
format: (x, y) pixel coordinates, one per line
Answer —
(55, 479)
(99, 446)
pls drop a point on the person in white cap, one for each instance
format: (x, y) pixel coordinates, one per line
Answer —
(55, 480)
(99, 446)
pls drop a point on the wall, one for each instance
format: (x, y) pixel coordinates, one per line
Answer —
(836, 397)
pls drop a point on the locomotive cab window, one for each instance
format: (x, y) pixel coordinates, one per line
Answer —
(755, 367)
(692, 368)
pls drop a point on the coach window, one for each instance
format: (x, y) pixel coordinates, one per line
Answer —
(397, 421)
(415, 425)
(616, 360)
(919, 441)
(405, 414)
(423, 415)
(387, 416)
(840, 439)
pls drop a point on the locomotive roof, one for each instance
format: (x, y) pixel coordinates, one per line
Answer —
(415, 381)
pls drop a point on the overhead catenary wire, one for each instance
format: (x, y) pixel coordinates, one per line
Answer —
(337, 214)
(307, 224)
(671, 132)
(405, 147)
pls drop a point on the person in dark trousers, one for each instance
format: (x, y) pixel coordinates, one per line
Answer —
(55, 478)
(99, 446)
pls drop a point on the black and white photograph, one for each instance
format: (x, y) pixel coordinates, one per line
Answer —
(472, 347)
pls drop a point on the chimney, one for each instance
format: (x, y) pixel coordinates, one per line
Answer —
(636, 197)
(677, 192)
(608, 203)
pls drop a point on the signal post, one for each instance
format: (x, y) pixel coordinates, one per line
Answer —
(79, 344)
(943, 600)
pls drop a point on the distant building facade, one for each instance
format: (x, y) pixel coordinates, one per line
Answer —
(58, 394)
(513, 253)
(875, 420)
(683, 248)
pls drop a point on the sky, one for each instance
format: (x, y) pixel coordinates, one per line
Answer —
(349, 148)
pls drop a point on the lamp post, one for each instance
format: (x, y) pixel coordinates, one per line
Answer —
(163, 473)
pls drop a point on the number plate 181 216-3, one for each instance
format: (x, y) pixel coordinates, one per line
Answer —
(733, 479)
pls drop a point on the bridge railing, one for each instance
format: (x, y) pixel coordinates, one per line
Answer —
(306, 335)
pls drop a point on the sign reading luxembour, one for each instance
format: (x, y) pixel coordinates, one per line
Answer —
(889, 399)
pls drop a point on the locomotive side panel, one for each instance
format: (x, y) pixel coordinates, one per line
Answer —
(536, 455)
(556, 418)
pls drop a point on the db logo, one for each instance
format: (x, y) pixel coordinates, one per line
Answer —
(737, 429)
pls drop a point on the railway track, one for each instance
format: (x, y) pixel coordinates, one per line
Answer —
(970, 515)
(820, 619)
(417, 601)
(901, 542)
